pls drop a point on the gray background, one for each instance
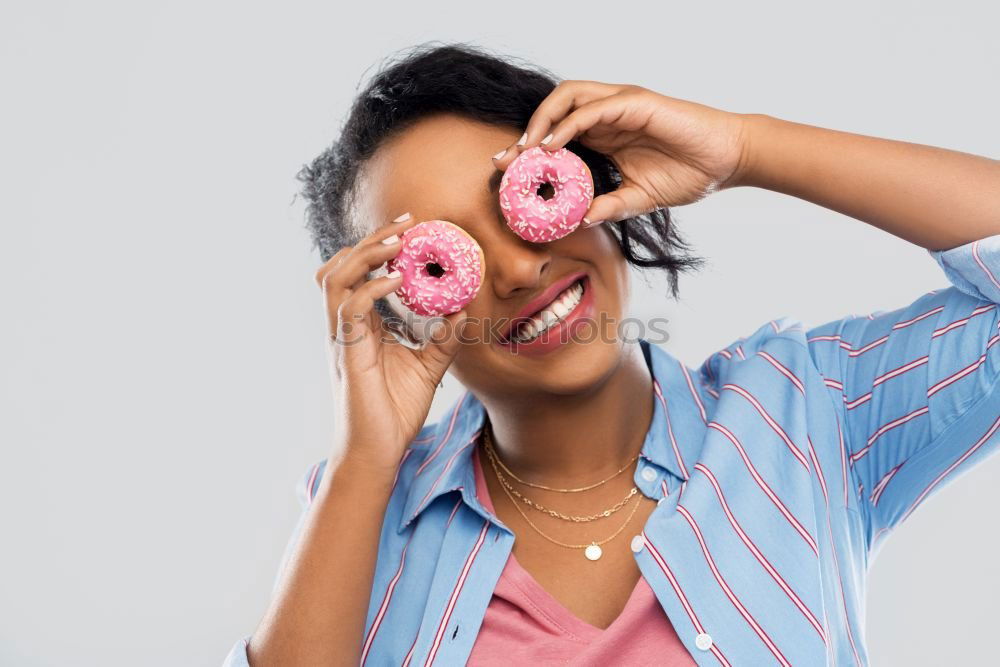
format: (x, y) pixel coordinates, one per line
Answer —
(163, 374)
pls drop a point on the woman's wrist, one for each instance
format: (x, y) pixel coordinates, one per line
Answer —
(348, 477)
(754, 133)
(380, 471)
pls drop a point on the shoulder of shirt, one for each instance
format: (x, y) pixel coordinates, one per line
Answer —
(827, 341)
(857, 329)
(416, 452)
(783, 328)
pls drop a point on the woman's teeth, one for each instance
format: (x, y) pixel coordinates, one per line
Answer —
(562, 306)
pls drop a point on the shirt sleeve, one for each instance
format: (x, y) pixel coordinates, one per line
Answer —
(918, 386)
(305, 491)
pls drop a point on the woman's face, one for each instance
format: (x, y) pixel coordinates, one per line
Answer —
(440, 168)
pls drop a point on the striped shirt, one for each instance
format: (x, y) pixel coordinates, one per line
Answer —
(780, 465)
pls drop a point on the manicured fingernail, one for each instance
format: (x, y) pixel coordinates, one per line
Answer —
(591, 223)
(524, 138)
(392, 274)
(500, 154)
(547, 139)
(403, 218)
(389, 240)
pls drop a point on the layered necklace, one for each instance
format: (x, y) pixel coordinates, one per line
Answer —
(592, 550)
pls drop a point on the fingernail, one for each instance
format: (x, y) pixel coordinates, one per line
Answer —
(500, 154)
(524, 138)
(402, 218)
(436, 329)
(392, 274)
(547, 138)
(591, 223)
(389, 240)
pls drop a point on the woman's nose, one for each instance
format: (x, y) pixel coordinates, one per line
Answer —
(516, 267)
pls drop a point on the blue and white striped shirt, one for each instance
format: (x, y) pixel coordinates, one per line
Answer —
(779, 466)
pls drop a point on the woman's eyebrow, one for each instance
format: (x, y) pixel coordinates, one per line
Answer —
(493, 185)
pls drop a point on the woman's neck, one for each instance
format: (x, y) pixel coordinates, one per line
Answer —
(569, 440)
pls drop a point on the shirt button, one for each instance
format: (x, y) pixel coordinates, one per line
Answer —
(637, 543)
(703, 641)
(648, 474)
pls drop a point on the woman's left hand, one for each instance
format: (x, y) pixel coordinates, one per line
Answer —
(670, 152)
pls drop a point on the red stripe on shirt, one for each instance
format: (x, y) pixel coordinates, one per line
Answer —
(376, 624)
(694, 392)
(309, 484)
(451, 425)
(784, 371)
(670, 430)
(770, 422)
(962, 322)
(985, 269)
(455, 593)
(880, 485)
(979, 443)
(882, 430)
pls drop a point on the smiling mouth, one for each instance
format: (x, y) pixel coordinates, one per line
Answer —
(555, 312)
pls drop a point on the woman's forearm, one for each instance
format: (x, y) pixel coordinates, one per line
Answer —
(318, 612)
(933, 197)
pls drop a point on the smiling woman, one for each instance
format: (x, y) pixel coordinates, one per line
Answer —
(759, 483)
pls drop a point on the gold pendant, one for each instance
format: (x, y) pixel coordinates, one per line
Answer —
(592, 552)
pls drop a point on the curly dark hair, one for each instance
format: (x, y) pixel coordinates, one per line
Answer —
(466, 80)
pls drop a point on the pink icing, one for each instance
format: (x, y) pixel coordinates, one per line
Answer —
(529, 215)
(441, 243)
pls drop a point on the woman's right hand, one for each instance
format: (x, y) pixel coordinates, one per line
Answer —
(382, 388)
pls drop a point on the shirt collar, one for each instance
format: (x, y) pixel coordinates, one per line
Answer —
(672, 442)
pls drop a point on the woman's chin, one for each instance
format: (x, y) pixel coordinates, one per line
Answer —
(577, 367)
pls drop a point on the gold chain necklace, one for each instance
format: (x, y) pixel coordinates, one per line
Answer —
(593, 550)
(489, 442)
(494, 460)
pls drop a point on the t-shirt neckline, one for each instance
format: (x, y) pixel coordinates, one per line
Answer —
(541, 599)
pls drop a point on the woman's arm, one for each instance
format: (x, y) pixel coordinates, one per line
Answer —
(318, 612)
(933, 197)
(673, 152)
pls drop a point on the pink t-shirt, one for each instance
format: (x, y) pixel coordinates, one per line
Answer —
(524, 624)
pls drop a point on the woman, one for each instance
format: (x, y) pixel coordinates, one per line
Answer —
(598, 501)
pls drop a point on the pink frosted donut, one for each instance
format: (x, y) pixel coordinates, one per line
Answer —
(531, 216)
(442, 268)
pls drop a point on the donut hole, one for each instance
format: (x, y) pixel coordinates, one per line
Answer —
(434, 269)
(545, 191)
